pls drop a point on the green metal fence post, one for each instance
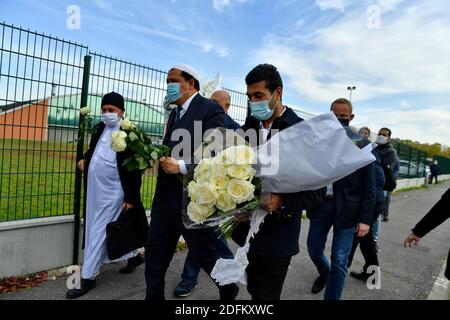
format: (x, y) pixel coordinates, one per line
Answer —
(80, 150)
(409, 161)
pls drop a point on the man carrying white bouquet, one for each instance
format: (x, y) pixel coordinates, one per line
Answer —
(166, 224)
(109, 189)
(273, 246)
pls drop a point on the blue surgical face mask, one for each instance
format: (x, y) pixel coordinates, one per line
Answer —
(261, 109)
(111, 119)
(173, 92)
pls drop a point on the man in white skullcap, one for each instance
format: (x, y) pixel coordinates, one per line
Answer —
(166, 224)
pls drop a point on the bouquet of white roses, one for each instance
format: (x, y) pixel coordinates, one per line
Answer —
(222, 187)
(142, 151)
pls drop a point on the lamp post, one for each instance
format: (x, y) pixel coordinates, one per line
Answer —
(351, 89)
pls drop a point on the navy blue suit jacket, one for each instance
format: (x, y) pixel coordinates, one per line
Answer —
(232, 124)
(168, 194)
(355, 197)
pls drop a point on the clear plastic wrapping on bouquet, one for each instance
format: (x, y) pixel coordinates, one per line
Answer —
(310, 155)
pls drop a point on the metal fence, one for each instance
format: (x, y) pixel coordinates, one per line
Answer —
(413, 162)
(36, 175)
(44, 81)
(444, 164)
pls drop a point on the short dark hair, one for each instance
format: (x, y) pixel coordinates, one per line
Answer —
(188, 77)
(386, 129)
(364, 128)
(265, 72)
(342, 101)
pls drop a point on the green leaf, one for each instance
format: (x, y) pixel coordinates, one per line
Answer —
(143, 164)
(132, 165)
(133, 137)
(127, 160)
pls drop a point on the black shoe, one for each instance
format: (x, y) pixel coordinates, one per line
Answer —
(85, 286)
(377, 248)
(385, 219)
(132, 264)
(231, 293)
(319, 284)
(360, 275)
(184, 288)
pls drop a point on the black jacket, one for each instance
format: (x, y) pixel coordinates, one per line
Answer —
(437, 215)
(169, 189)
(435, 170)
(279, 233)
(355, 196)
(388, 154)
(131, 181)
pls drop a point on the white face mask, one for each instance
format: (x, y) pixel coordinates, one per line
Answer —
(110, 119)
(381, 140)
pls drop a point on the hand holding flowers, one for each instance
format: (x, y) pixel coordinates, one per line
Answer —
(138, 144)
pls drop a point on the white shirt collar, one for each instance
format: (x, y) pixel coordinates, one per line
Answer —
(186, 104)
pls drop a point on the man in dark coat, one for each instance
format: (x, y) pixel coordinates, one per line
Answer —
(388, 154)
(166, 225)
(276, 242)
(435, 171)
(191, 269)
(437, 215)
(109, 188)
(347, 208)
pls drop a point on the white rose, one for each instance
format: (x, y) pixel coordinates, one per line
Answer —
(192, 190)
(127, 124)
(239, 155)
(118, 143)
(219, 159)
(225, 202)
(86, 110)
(220, 179)
(203, 170)
(240, 190)
(198, 213)
(241, 171)
(206, 194)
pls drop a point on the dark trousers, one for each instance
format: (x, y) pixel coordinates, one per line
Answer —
(386, 203)
(163, 235)
(367, 243)
(321, 221)
(433, 176)
(191, 268)
(265, 276)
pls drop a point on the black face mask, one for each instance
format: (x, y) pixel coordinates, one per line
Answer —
(344, 122)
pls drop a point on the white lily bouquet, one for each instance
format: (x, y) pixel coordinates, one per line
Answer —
(222, 188)
(142, 151)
